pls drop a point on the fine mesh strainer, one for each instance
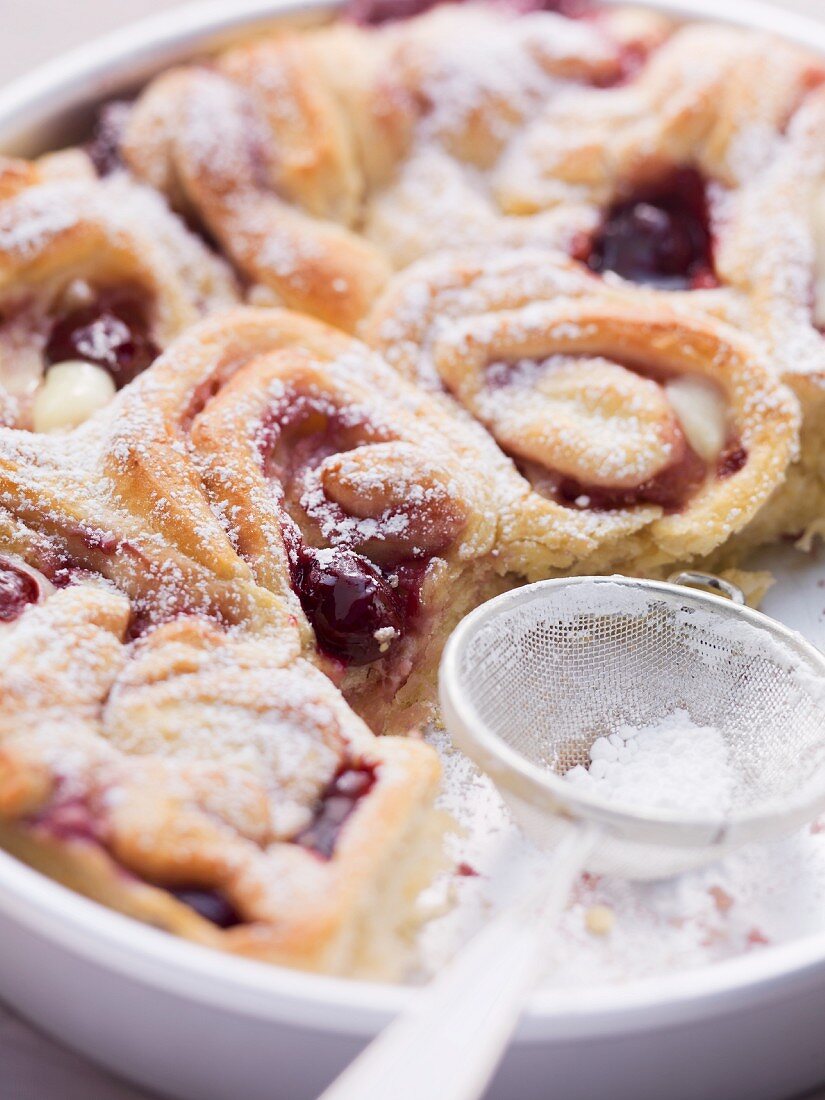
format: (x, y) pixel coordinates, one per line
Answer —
(528, 682)
(531, 679)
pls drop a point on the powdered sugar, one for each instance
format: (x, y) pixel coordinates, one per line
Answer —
(493, 82)
(672, 765)
(760, 895)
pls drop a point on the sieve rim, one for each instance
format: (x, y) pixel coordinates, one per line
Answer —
(517, 776)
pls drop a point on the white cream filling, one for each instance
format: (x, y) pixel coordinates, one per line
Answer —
(700, 408)
(70, 393)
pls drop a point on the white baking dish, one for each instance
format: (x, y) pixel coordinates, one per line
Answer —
(201, 1026)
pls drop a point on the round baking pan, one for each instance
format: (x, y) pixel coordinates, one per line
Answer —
(195, 1024)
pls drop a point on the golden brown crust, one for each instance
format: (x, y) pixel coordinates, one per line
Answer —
(195, 759)
(586, 395)
(66, 238)
(217, 143)
(175, 727)
(298, 432)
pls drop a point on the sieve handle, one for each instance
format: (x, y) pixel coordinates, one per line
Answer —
(451, 1041)
(719, 585)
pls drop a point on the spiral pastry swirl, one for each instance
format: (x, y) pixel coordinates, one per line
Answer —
(351, 498)
(96, 277)
(208, 784)
(591, 144)
(258, 150)
(649, 420)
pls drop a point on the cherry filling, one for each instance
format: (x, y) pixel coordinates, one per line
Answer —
(103, 148)
(375, 12)
(731, 460)
(70, 819)
(146, 615)
(212, 905)
(570, 9)
(354, 610)
(18, 589)
(372, 13)
(670, 488)
(660, 236)
(73, 819)
(348, 786)
(358, 610)
(112, 332)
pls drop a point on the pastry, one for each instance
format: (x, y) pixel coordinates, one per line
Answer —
(259, 151)
(468, 107)
(667, 429)
(354, 500)
(321, 341)
(91, 272)
(210, 785)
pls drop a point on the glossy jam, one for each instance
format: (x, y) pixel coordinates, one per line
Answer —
(669, 489)
(659, 236)
(18, 589)
(407, 579)
(212, 905)
(731, 460)
(355, 612)
(350, 784)
(375, 12)
(359, 610)
(103, 148)
(112, 332)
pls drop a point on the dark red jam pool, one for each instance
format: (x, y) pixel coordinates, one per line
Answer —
(670, 488)
(112, 332)
(353, 609)
(18, 589)
(212, 905)
(103, 148)
(358, 609)
(372, 13)
(658, 236)
(349, 785)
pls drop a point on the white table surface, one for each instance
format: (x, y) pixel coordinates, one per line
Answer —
(32, 1067)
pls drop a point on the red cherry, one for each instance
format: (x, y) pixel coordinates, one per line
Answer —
(18, 589)
(353, 609)
(660, 236)
(112, 332)
(212, 905)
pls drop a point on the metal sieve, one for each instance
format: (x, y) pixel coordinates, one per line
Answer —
(529, 681)
(532, 678)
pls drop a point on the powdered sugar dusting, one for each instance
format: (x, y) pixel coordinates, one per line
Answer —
(673, 765)
(757, 896)
(188, 678)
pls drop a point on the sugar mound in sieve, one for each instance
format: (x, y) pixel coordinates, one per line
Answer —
(673, 764)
